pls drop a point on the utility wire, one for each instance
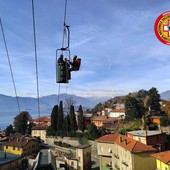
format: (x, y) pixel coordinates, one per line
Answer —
(36, 61)
(65, 15)
(64, 32)
(10, 65)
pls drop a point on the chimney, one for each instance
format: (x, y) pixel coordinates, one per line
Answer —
(125, 141)
(120, 139)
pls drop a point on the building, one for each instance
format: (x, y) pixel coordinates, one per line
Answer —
(43, 121)
(162, 160)
(83, 154)
(39, 131)
(154, 138)
(100, 121)
(116, 151)
(21, 145)
(117, 113)
(155, 119)
(80, 161)
(10, 161)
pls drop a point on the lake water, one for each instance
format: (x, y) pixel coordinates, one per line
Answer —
(7, 117)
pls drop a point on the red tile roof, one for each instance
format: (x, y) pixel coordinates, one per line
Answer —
(108, 138)
(163, 156)
(39, 127)
(42, 119)
(126, 143)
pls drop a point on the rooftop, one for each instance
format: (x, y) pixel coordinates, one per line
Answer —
(163, 156)
(126, 143)
(103, 118)
(9, 157)
(143, 133)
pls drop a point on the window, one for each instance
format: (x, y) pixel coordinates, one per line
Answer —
(110, 150)
(13, 147)
(6, 147)
(101, 148)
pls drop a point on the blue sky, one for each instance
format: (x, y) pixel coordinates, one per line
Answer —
(114, 38)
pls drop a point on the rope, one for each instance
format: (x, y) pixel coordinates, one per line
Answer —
(10, 65)
(36, 62)
(63, 40)
(65, 15)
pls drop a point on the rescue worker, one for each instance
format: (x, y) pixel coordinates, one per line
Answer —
(60, 59)
(73, 64)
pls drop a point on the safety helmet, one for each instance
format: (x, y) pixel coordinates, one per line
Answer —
(75, 57)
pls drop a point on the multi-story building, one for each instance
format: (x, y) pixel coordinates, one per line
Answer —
(39, 131)
(154, 138)
(99, 121)
(120, 152)
(117, 113)
(21, 145)
(162, 160)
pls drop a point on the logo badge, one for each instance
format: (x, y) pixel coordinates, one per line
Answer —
(162, 28)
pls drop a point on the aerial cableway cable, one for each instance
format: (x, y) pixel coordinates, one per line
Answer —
(10, 65)
(36, 61)
(65, 38)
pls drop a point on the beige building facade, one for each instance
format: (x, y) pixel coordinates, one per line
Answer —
(120, 152)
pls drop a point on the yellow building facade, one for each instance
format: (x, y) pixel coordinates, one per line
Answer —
(162, 160)
(22, 145)
(39, 131)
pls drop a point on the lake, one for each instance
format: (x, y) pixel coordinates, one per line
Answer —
(7, 117)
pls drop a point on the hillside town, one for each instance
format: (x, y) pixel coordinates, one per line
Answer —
(103, 138)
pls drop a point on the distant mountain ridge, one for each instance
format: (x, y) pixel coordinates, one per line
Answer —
(165, 95)
(8, 103)
(46, 102)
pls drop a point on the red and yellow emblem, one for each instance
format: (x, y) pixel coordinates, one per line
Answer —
(162, 28)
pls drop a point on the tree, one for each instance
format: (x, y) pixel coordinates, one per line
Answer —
(68, 102)
(153, 100)
(167, 108)
(97, 108)
(60, 117)
(29, 128)
(92, 131)
(134, 109)
(81, 119)
(67, 123)
(20, 122)
(54, 117)
(164, 121)
(73, 125)
(142, 94)
(9, 130)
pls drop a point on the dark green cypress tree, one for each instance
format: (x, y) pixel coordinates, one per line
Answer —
(73, 125)
(60, 117)
(66, 124)
(81, 119)
(54, 117)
